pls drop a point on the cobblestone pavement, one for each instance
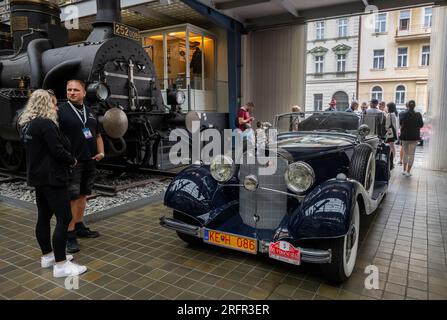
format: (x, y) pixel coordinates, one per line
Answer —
(135, 258)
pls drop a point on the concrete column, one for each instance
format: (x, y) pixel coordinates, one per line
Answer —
(437, 159)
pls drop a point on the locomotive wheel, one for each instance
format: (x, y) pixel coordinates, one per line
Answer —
(139, 156)
(11, 154)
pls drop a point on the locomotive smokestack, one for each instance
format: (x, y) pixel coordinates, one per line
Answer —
(107, 12)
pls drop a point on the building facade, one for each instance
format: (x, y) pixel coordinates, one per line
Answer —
(394, 57)
(332, 62)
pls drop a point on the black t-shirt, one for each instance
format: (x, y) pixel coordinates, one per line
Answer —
(82, 149)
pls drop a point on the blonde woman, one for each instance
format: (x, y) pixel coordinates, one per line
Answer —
(48, 162)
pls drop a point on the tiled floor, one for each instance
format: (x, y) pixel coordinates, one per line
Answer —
(135, 258)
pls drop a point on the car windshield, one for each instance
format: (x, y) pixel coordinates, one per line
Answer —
(347, 122)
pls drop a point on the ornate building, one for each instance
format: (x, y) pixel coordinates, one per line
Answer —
(332, 62)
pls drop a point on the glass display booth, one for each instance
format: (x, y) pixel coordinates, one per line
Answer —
(185, 55)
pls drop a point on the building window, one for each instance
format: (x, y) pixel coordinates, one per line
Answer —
(319, 60)
(377, 93)
(402, 57)
(380, 22)
(341, 62)
(427, 17)
(318, 102)
(343, 27)
(425, 56)
(400, 95)
(404, 20)
(379, 59)
(319, 27)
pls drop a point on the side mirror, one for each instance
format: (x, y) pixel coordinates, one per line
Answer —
(363, 130)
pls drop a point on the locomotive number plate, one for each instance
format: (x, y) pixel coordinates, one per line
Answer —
(232, 241)
(122, 30)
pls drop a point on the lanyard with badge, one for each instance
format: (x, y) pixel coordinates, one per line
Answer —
(86, 131)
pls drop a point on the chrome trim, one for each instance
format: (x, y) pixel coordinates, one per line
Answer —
(307, 254)
(118, 96)
(124, 76)
(282, 192)
(180, 226)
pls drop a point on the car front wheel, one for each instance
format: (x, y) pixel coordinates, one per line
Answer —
(344, 251)
(191, 240)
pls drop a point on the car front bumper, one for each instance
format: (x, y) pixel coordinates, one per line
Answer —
(309, 255)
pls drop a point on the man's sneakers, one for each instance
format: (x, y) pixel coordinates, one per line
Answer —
(83, 232)
(66, 269)
(72, 243)
(48, 260)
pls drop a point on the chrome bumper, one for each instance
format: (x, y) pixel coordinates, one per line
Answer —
(307, 254)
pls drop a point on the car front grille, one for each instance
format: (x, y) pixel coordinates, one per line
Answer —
(269, 206)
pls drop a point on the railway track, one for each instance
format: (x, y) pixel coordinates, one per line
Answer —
(105, 189)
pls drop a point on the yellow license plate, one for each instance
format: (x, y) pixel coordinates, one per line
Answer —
(231, 241)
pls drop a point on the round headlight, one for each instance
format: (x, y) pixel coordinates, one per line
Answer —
(299, 177)
(250, 183)
(99, 91)
(180, 97)
(222, 168)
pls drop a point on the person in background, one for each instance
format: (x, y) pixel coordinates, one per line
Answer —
(391, 131)
(48, 161)
(295, 120)
(261, 138)
(332, 105)
(373, 107)
(353, 107)
(410, 123)
(364, 107)
(382, 107)
(244, 119)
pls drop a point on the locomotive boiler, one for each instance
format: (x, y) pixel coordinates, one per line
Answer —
(121, 83)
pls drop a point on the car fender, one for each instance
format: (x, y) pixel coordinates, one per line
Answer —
(196, 193)
(326, 211)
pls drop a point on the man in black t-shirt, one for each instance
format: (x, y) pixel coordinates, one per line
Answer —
(81, 127)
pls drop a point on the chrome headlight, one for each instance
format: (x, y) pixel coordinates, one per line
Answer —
(299, 177)
(222, 168)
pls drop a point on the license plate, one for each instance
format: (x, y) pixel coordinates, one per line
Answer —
(286, 252)
(229, 240)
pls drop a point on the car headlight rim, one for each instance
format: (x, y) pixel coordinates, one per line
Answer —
(222, 168)
(299, 177)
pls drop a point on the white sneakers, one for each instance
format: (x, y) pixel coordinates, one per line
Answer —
(48, 260)
(407, 174)
(61, 270)
(67, 269)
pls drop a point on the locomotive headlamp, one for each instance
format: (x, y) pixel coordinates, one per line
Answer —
(175, 97)
(222, 168)
(98, 91)
(299, 177)
(180, 97)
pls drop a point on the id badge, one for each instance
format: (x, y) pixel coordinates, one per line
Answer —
(87, 133)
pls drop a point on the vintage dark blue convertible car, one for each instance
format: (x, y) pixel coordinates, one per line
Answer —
(331, 171)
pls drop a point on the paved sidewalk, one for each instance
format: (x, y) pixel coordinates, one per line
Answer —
(135, 258)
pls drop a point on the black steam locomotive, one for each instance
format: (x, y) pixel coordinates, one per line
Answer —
(122, 86)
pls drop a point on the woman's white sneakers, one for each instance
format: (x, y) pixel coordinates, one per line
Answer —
(67, 269)
(48, 260)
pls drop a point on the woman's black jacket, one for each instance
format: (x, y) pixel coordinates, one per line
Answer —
(47, 158)
(410, 124)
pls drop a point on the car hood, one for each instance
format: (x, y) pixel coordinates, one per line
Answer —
(311, 144)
